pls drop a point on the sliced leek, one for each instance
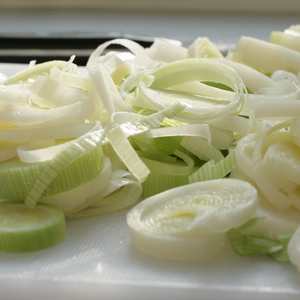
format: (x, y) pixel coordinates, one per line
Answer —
(189, 222)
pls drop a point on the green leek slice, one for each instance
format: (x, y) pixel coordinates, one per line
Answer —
(28, 229)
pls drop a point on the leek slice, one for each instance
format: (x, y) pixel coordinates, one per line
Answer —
(290, 38)
(78, 198)
(266, 57)
(30, 229)
(245, 241)
(23, 175)
(188, 222)
(201, 148)
(213, 170)
(63, 160)
(164, 176)
(202, 47)
(165, 50)
(127, 154)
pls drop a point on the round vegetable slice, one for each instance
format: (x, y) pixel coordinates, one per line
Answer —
(14, 174)
(189, 222)
(29, 229)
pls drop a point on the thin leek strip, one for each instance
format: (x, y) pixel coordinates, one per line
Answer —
(266, 57)
(202, 89)
(27, 134)
(29, 115)
(200, 130)
(196, 108)
(201, 148)
(212, 170)
(63, 160)
(106, 88)
(287, 108)
(127, 154)
(144, 123)
(188, 222)
(164, 176)
(35, 70)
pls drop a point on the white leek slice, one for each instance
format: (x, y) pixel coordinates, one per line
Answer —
(127, 154)
(188, 222)
(266, 57)
(290, 38)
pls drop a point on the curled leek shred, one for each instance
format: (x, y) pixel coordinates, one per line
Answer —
(142, 57)
(190, 222)
(189, 70)
(61, 161)
(214, 170)
(245, 241)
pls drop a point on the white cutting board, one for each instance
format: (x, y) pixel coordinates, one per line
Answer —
(97, 261)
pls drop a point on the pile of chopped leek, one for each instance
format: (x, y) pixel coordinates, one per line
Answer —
(164, 128)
